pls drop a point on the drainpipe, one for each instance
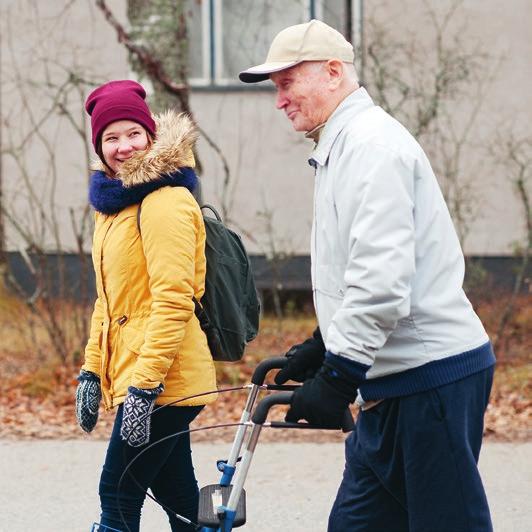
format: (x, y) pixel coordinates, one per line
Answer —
(359, 41)
(3, 258)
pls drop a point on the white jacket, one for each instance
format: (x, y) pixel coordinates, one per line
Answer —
(387, 268)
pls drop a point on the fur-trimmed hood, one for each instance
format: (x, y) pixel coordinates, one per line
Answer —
(168, 162)
(171, 150)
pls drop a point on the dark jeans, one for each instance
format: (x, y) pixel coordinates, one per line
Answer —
(166, 469)
(411, 463)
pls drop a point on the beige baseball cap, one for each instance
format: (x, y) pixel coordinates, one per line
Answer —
(312, 41)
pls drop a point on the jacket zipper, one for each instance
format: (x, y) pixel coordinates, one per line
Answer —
(105, 366)
(315, 236)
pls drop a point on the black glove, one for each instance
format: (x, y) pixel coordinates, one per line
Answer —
(136, 417)
(304, 360)
(88, 397)
(323, 399)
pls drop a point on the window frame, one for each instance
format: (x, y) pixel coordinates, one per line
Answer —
(212, 48)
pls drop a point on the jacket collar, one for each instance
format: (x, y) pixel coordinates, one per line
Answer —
(358, 101)
(314, 134)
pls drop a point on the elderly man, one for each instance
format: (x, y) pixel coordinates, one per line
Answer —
(395, 327)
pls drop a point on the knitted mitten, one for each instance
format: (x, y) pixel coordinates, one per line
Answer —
(88, 396)
(138, 406)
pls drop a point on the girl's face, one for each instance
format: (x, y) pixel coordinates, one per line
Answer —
(120, 140)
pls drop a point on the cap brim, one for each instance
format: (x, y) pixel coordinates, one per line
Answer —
(262, 72)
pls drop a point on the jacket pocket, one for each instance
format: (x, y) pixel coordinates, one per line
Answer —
(329, 281)
(132, 338)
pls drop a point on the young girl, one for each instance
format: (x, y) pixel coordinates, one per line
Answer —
(146, 346)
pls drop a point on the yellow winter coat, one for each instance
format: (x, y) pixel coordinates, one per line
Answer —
(143, 329)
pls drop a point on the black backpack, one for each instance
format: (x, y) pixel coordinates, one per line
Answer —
(229, 309)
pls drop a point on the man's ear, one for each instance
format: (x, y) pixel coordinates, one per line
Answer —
(335, 69)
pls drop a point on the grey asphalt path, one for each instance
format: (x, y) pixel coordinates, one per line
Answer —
(50, 486)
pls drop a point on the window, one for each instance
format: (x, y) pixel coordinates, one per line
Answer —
(227, 36)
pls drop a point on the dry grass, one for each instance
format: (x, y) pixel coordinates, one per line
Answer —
(36, 399)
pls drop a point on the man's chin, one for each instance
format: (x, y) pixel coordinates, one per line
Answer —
(297, 126)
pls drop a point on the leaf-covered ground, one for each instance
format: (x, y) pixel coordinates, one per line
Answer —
(37, 396)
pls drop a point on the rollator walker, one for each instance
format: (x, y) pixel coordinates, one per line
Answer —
(222, 506)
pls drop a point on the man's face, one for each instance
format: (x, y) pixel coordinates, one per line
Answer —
(302, 94)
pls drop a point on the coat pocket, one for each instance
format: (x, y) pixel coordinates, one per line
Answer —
(132, 338)
(329, 280)
(126, 350)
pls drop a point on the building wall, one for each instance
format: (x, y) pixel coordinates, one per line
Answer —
(269, 198)
(499, 31)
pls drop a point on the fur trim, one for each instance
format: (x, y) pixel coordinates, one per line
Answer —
(171, 150)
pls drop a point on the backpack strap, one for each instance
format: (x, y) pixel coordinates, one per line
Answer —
(138, 218)
(204, 206)
(212, 209)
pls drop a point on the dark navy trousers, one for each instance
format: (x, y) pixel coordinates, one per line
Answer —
(166, 469)
(411, 463)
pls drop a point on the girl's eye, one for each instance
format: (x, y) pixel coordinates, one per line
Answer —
(135, 133)
(110, 139)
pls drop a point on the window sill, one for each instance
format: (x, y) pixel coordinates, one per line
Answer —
(244, 87)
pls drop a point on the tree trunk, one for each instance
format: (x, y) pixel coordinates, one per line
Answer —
(160, 27)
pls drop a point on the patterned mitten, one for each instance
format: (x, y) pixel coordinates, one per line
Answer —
(88, 397)
(138, 406)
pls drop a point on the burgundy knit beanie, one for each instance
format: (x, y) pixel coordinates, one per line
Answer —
(118, 100)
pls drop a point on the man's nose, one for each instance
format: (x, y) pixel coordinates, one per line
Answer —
(281, 101)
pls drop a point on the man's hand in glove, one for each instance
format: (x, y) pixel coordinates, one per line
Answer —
(304, 360)
(323, 399)
(88, 397)
(136, 417)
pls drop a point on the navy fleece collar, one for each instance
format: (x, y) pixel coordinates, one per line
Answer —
(109, 196)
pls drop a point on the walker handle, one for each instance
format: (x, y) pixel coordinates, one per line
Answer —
(265, 366)
(285, 398)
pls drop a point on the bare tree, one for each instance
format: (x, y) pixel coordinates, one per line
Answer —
(513, 154)
(437, 88)
(157, 44)
(49, 96)
(278, 252)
